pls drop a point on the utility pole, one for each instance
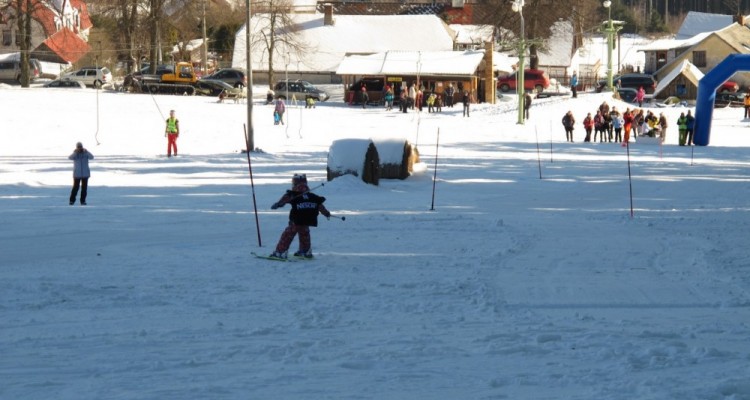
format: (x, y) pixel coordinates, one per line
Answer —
(249, 72)
(204, 48)
(517, 6)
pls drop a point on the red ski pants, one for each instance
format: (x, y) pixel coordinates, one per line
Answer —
(171, 144)
(288, 235)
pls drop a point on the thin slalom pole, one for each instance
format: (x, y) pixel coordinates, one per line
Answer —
(538, 152)
(550, 142)
(299, 130)
(96, 135)
(252, 183)
(419, 119)
(630, 180)
(434, 177)
(96, 64)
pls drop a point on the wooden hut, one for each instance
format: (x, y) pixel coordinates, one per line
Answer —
(397, 158)
(358, 157)
(681, 82)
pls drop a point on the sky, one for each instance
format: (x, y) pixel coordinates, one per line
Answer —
(510, 265)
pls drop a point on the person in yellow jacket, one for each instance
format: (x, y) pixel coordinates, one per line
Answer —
(747, 105)
(172, 132)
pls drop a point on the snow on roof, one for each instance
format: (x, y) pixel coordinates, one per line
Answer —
(559, 45)
(471, 34)
(672, 43)
(698, 22)
(463, 63)
(191, 45)
(503, 62)
(328, 44)
(686, 68)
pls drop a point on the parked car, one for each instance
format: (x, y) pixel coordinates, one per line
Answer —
(10, 70)
(91, 76)
(233, 76)
(533, 79)
(211, 87)
(65, 83)
(632, 81)
(728, 87)
(627, 94)
(160, 69)
(300, 90)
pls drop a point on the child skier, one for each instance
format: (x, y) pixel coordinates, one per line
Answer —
(304, 214)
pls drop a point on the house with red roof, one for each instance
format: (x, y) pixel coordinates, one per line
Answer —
(59, 29)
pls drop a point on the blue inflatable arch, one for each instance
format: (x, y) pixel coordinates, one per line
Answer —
(704, 104)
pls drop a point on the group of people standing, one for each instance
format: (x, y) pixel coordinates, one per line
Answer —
(610, 125)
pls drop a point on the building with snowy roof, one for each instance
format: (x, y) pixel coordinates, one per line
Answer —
(704, 50)
(699, 22)
(324, 40)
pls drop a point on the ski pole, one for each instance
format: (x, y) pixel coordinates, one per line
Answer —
(337, 217)
(308, 191)
(252, 184)
(300, 194)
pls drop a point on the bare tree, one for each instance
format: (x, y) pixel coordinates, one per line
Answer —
(539, 16)
(24, 10)
(127, 26)
(156, 12)
(735, 6)
(279, 35)
(123, 21)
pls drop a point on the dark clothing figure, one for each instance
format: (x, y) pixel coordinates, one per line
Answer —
(569, 122)
(305, 209)
(81, 173)
(466, 100)
(599, 126)
(449, 96)
(689, 127)
(364, 97)
(526, 105)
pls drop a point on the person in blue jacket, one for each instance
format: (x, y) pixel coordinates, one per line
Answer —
(81, 173)
(574, 84)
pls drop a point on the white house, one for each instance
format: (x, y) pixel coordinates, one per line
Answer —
(328, 39)
(59, 29)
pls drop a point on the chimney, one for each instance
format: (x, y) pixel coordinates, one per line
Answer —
(327, 14)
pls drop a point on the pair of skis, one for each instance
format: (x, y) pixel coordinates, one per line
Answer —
(290, 259)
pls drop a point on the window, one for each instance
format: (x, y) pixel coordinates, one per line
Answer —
(7, 37)
(699, 59)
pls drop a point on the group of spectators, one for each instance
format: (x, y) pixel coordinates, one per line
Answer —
(610, 125)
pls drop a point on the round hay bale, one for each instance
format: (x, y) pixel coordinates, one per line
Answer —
(358, 157)
(397, 158)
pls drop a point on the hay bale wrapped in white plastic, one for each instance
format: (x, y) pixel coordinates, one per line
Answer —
(358, 157)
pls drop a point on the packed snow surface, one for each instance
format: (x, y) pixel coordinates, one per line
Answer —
(525, 277)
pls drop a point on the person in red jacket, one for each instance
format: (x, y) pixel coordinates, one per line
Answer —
(304, 214)
(588, 125)
(628, 118)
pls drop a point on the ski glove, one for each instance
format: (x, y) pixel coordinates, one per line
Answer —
(275, 206)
